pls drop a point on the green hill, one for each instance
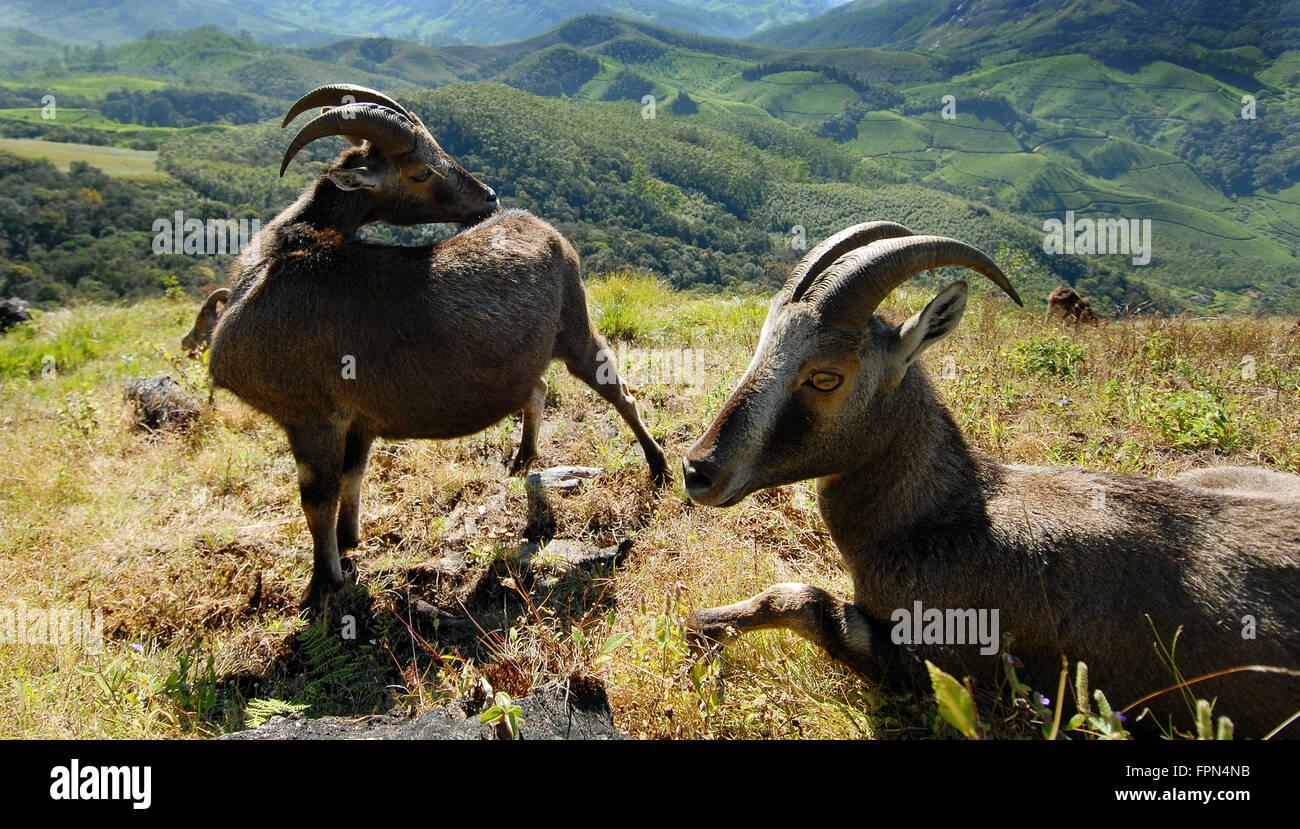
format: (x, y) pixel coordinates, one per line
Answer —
(863, 129)
(1035, 137)
(1005, 30)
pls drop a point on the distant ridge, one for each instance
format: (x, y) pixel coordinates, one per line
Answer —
(444, 23)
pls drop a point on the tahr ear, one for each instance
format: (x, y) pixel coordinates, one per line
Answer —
(933, 322)
(354, 178)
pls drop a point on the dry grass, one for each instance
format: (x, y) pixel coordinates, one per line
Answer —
(182, 538)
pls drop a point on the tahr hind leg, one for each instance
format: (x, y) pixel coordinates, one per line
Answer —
(356, 451)
(532, 423)
(592, 361)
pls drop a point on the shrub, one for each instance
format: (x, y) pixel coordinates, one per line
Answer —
(1196, 420)
(1055, 356)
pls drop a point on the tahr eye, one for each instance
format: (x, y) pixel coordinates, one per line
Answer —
(423, 175)
(825, 380)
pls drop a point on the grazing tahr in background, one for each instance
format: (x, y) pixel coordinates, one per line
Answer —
(199, 338)
(1067, 303)
(1076, 562)
(342, 341)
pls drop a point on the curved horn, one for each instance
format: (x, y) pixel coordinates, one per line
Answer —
(332, 95)
(832, 248)
(385, 128)
(200, 336)
(219, 295)
(856, 285)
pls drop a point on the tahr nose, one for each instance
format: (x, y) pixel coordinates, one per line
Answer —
(696, 475)
(491, 197)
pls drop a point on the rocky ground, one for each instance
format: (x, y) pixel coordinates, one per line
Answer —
(574, 711)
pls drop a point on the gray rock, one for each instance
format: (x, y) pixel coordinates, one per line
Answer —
(556, 713)
(568, 552)
(561, 477)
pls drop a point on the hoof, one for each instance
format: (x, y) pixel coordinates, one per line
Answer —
(520, 464)
(312, 600)
(705, 634)
(660, 477)
(318, 592)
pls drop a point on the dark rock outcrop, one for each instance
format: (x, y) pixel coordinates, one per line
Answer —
(160, 403)
(557, 713)
(12, 312)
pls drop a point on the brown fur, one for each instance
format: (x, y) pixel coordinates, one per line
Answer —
(1074, 561)
(1246, 481)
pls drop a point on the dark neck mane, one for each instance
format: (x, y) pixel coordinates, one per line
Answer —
(323, 206)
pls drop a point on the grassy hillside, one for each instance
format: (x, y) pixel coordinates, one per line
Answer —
(21, 47)
(194, 546)
(112, 160)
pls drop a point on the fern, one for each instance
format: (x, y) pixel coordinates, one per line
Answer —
(334, 671)
(258, 711)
